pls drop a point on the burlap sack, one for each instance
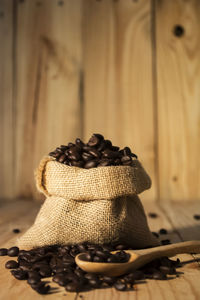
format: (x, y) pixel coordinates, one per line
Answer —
(98, 205)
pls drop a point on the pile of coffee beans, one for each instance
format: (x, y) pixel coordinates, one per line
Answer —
(98, 152)
(58, 262)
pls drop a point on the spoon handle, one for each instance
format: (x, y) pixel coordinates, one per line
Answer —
(171, 250)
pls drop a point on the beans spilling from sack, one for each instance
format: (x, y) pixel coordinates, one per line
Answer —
(98, 152)
(58, 262)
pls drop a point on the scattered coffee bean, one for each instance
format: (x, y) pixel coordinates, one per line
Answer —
(3, 252)
(13, 251)
(58, 261)
(163, 231)
(155, 234)
(19, 274)
(98, 152)
(41, 287)
(16, 230)
(120, 286)
(11, 264)
(152, 215)
(165, 242)
(73, 287)
(196, 217)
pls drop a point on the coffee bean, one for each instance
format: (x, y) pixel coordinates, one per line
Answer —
(79, 143)
(95, 139)
(121, 247)
(159, 275)
(91, 276)
(41, 287)
(78, 164)
(19, 274)
(73, 287)
(33, 280)
(196, 217)
(13, 251)
(163, 231)
(90, 164)
(3, 252)
(155, 234)
(95, 153)
(62, 158)
(87, 156)
(109, 280)
(104, 162)
(152, 215)
(126, 159)
(95, 282)
(120, 286)
(11, 264)
(16, 230)
(45, 271)
(165, 242)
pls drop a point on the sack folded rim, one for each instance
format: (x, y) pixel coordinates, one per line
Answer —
(108, 182)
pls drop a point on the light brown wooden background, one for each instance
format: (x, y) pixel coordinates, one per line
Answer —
(71, 68)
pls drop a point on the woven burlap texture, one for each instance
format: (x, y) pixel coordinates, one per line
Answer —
(99, 205)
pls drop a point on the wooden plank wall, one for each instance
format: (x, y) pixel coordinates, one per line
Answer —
(71, 68)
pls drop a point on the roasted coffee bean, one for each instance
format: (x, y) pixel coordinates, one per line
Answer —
(109, 280)
(91, 276)
(78, 164)
(155, 234)
(73, 287)
(87, 156)
(41, 287)
(95, 153)
(95, 282)
(105, 162)
(25, 266)
(127, 151)
(61, 279)
(98, 259)
(126, 159)
(62, 158)
(79, 143)
(33, 280)
(45, 271)
(95, 140)
(13, 251)
(3, 252)
(159, 275)
(120, 286)
(102, 254)
(11, 264)
(16, 230)
(75, 156)
(110, 154)
(121, 247)
(196, 217)
(152, 215)
(90, 164)
(163, 231)
(19, 274)
(55, 154)
(165, 242)
(34, 274)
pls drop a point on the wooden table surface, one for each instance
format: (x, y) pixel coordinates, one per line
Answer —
(177, 218)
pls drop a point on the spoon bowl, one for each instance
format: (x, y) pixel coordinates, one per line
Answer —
(138, 258)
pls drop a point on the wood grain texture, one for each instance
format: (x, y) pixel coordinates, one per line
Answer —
(117, 58)
(48, 58)
(178, 73)
(21, 214)
(6, 99)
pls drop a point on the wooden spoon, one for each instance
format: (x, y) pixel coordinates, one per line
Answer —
(137, 259)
